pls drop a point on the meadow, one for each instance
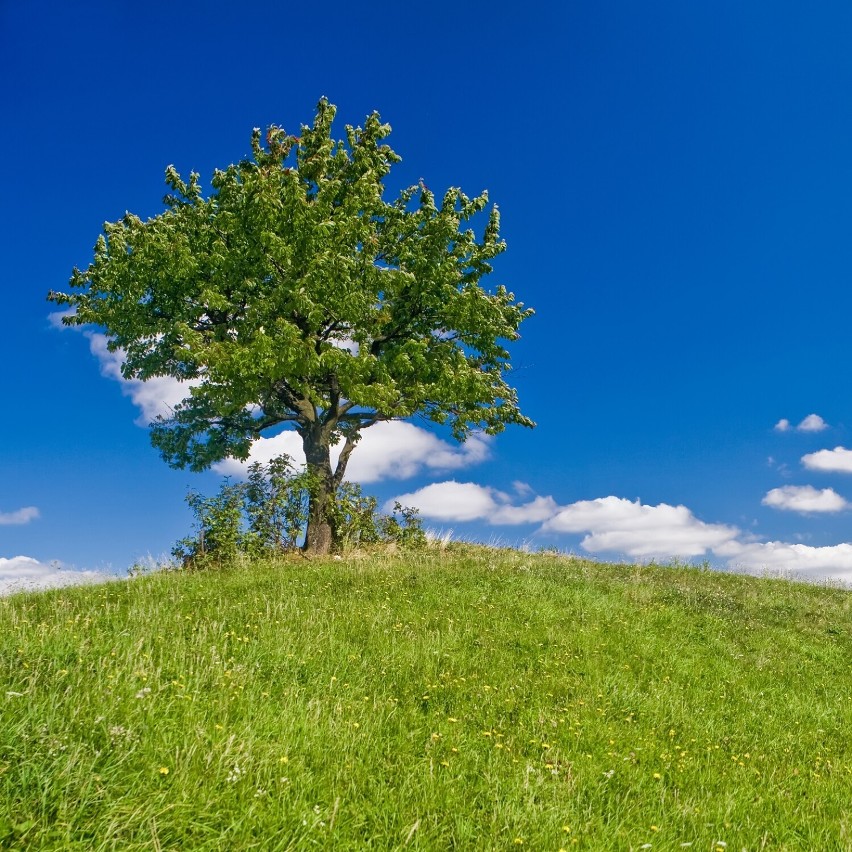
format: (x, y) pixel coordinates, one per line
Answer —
(466, 698)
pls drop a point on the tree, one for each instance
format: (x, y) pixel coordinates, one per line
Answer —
(295, 294)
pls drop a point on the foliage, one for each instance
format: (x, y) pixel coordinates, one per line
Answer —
(355, 516)
(268, 515)
(403, 527)
(460, 699)
(296, 294)
(276, 506)
(219, 534)
(360, 522)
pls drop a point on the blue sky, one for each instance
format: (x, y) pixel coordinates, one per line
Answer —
(675, 182)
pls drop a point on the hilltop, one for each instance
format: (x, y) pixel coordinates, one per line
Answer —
(465, 698)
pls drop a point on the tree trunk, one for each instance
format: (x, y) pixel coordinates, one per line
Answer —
(319, 535)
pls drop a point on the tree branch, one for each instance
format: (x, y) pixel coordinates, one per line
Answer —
(343, 460)
(303, 407)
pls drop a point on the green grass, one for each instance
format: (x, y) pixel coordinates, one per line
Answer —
(459, 699)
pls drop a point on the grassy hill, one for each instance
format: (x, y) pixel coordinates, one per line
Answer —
(458, 699)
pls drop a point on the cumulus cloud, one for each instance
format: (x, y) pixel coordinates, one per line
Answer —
(263, 450)
(467, 501)
(805, 499)
(23, 573)
(537, 510)
(616, 525)
(811, 423)
(838, 460)
(619, 525)
(449, 501)
(399, 450)
(388, 450)
(19, 516)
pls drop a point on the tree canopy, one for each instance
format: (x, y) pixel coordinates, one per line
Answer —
(295, 293)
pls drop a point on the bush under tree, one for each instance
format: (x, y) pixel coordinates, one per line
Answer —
(267, 516)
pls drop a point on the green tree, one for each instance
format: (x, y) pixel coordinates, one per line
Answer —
(296, 294)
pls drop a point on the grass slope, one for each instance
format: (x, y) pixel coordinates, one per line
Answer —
(470, 699)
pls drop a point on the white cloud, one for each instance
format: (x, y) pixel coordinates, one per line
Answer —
(399, 450)
(610, 523)
(466, 501)
(521, 488)
(346, 343)
(154, 397)
(537, 510)
(805, 499)
(812, 423)
(804, 561)
(19, 516)
(838, 460)
(450, 501)
(619, 525)
(391, 449)
(615, 525)
(263, 450)
(23, 573)
(55, 318)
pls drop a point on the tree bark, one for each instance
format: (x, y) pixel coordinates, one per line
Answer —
(319, 535)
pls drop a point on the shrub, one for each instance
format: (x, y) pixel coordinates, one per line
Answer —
(218, 523)
(275, 502)
(268, 514)
(403, 527)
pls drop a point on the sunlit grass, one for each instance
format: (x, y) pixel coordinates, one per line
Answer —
(468, 698)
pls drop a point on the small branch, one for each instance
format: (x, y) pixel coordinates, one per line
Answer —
(274, 419)
(343, 460)
(363, 420)
(332, 413)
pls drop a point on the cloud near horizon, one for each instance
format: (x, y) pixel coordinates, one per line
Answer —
(832, 562)
(619, 525)
(467, 501)
(23, 573)
(19, 516)
(611, 524)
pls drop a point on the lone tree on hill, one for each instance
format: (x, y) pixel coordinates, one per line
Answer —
(295, 293)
